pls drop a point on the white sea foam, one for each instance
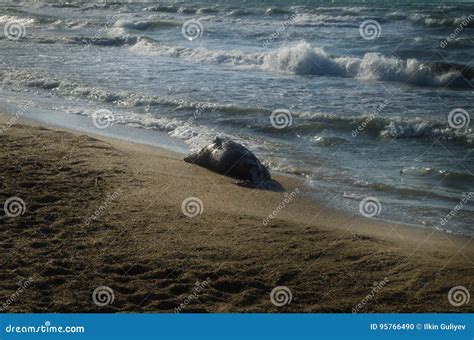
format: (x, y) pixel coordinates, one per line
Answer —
(11, 18)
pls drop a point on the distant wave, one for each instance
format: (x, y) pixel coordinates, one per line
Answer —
(128, 40)
(25, 21)
(163, 8)
(142, 25)
(325, 20)
(277, 11)
(450, 22)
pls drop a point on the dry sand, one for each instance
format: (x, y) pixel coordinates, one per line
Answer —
(154, 258)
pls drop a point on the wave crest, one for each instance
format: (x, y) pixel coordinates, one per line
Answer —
(303, 59)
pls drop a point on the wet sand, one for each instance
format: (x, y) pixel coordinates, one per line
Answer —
(103, 212)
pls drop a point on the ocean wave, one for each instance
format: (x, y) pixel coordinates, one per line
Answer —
(239, 12)
(450, 22)
(162, 8)
(25, 21)
(62, 5)
(304, 123)
(439, 174)
(69, 87)
(207, 10)
(427, 129)
(106, 42)
(145, 25)
(151, 47)
(308, 19)
(303, 59)
(277, 11)
(384, 127)
(406, 191)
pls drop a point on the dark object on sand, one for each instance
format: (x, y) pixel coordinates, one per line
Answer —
(233, 159)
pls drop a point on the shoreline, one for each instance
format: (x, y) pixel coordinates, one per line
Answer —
(162, 141)
(328, 258)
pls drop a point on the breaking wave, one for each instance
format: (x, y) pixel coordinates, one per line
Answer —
(386, 127)
(144, 25)
(379, 127)
(303, 59)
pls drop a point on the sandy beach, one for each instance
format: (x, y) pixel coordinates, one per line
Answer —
(106, 212)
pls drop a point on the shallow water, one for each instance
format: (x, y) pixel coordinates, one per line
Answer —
(369, 117)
